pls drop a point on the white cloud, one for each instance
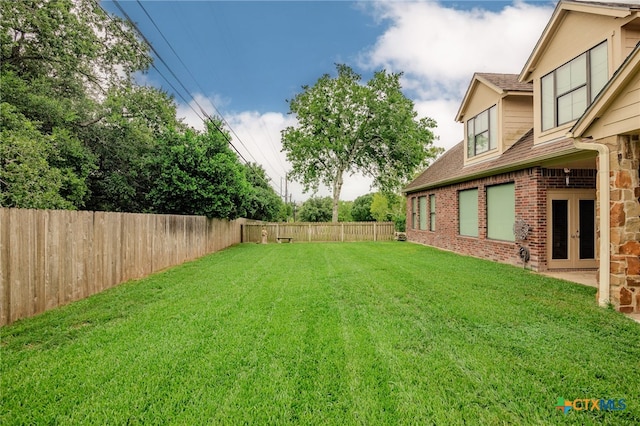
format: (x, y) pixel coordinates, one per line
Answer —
(260, 136)
(192, 114)
(443, 111)
(438, 44)
(439, 48)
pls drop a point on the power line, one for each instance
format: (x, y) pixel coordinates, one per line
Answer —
(209, 118)
(191, 75)
(224, 35)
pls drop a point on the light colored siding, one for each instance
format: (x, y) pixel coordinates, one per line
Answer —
(578, 33)
(631, 37)
(517, 119)
(623, 115)
(481, 98)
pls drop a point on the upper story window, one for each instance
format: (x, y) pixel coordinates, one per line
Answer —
(568, 90)
(482, 132)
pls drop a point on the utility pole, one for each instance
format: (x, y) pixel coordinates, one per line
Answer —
(286, 192)
(293, 205)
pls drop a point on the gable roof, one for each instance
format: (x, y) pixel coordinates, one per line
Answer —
(618, 10)
(616, 84)
(502, 84)
(449, 168)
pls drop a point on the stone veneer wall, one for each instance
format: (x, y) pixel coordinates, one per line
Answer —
(530, 203)
(625, 221)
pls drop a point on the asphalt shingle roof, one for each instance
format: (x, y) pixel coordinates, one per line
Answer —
(506, 82)
(449, 168)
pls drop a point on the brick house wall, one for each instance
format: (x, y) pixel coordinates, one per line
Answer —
(531, 187)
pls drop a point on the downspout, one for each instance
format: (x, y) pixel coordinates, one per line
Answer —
(605, 229)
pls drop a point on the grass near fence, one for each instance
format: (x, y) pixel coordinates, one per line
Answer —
(359, 333)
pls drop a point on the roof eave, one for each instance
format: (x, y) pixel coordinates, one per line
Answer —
(493, 171)
(480, 78)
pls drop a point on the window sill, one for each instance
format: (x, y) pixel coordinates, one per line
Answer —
(489, 155)
(553, 133)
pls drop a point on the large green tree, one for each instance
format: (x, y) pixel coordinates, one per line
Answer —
(344, 126)
(263, 203)
(316, 209)
(32, 173)
(361, 210)
(389, 206)
(344, 211)
(63, 66)
(125, 142)
(197, 173)
(71, 45)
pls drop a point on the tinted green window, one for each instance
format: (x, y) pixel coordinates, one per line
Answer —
(423, 213)
(468, 212)
(501, 212)
(432, 212)
(414, 213)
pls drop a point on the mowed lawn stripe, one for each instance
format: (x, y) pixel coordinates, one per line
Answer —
(355, 333)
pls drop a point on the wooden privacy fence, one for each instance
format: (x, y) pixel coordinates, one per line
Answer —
(320, 232)
(52, 257)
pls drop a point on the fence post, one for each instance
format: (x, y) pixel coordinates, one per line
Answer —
(374, 232)
(342, 232)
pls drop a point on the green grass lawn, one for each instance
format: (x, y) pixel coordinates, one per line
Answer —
(354, 333)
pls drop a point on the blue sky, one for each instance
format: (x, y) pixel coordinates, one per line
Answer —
(244, 59)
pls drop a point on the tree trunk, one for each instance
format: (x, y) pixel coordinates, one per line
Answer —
(337, 187)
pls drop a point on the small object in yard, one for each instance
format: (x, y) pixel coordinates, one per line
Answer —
(264, 236)
(525, 255)
(289, 239)
(401, 236)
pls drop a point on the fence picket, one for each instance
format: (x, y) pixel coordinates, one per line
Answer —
(320, 232)
(52, 257)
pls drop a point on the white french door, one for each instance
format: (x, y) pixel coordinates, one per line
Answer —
(571, 229)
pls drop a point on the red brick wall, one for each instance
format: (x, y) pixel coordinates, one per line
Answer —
(531, 187)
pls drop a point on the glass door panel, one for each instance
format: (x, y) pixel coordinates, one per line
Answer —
(587, 231)
(559, 229)
(571, 230)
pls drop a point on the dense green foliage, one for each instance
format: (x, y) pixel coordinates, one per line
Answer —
(78, 132)
(344, 211)
(326, 334)
(389, 207)
(62, 63)
(199, 174)
(315, 209)
(380, 210)
(346, 127)
(361, 210)
(263, 203)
